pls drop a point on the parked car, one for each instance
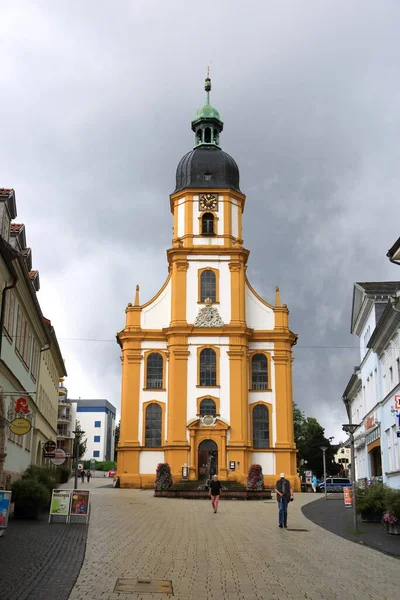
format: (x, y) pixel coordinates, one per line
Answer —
(334, 484)
(112, 472)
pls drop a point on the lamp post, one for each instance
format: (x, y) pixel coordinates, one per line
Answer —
(78, 434)
(350, 429)
(324, 449)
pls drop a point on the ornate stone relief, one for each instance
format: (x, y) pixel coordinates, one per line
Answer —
(208, 316)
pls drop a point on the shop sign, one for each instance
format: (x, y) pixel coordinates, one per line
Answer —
(397, 402)
(49, 449)
(79, 502)
(348, 497)
(21, 406)
(370, 422)
(59, 457)
(60, 502)
(5, 499)
(20, 426)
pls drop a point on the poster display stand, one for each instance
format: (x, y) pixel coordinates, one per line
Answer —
(80, 506)
(59, 507)
(5, 500)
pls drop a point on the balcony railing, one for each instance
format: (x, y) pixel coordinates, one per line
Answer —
(65, 418)
(62, 400)
(62, 433)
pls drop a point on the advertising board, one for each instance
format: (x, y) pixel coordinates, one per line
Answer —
(5, 499)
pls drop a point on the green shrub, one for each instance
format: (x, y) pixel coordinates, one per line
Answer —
(163, 477)
(29, 496)
(371, 498)
(63, 474)
(392, 503)
(44, 475)
(101, 465)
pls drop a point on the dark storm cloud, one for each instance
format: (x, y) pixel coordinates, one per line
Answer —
(97, 100)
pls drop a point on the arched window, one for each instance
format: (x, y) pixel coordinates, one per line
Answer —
(260, 426)
(153, 425)
(154, 375)
(207, 407)
(208, 286)
(259, 372)
(208, 367)
(207, 224)
(207, 135)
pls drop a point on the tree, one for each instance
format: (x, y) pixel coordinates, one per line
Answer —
(82, 441)
(309, 436)
(116, 439)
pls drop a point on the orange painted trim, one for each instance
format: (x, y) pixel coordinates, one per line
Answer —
(208, 396)
(217, 355)
(216, 273)
(163, 355)
(158, 293)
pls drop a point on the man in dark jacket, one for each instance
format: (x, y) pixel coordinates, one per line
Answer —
(284, 494)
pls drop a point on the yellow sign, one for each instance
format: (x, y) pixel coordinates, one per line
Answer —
(20, 426)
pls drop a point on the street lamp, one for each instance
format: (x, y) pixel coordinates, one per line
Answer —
(350, 429)
(324, 449)
(78, 434)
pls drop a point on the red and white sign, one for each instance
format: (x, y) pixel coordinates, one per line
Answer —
(369, 422)
(348, 497)
(21, 406)
(397, 402)
(59, 457)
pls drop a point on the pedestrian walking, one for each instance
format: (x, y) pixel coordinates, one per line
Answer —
(215, 490)
(88, 476)
(284, 495)
(83, 475)
(314, 482)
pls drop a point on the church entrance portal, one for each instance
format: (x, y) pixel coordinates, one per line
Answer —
(208, 459)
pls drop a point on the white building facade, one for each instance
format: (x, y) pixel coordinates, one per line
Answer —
(97, 419)
(372, 389)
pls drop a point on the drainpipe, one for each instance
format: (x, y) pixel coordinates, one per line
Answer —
(3, 308)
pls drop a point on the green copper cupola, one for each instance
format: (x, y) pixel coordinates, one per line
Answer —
(207, 124)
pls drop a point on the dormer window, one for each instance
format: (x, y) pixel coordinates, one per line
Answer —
(207, 224)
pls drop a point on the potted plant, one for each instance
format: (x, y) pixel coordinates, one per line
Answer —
(163, 477)
(371, 502)
(255, 479)
(29, 497)
(391, 516)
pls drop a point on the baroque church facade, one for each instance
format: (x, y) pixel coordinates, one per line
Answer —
(206, 363)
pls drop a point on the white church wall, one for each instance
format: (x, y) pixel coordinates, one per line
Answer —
(192, 288)
(148, 461)
(156, 345)
(158, 314)
(181, 217)
(258, 315)
(266, 460)
(235, 218)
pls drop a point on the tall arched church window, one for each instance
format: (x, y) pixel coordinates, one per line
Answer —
(208, 368)
(207, 407)
(259, 372)
(154, 374)
(207, 224)
(208, 286)
(260, 426)
(153, 425)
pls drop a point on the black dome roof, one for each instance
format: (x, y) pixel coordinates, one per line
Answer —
(207, 167)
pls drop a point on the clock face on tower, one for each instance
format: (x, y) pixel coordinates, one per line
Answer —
(208, 202)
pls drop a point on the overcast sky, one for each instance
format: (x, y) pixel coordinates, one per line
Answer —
(96, 103)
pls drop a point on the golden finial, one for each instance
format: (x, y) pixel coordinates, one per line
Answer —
(208, 301)
(137, 303)
(277, 296)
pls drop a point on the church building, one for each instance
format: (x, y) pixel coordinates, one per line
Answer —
(207, 362)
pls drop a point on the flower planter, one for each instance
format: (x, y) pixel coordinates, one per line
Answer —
(393, 529)
(371, 516)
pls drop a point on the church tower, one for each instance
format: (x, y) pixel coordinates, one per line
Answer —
(206, 363)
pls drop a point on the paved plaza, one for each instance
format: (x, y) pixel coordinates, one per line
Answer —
(239, 553)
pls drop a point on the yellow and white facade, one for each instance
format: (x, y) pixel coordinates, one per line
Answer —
(206, 363)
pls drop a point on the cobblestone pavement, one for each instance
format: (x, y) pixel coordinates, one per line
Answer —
(40, 561)
(333, 516)
(237, 554)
